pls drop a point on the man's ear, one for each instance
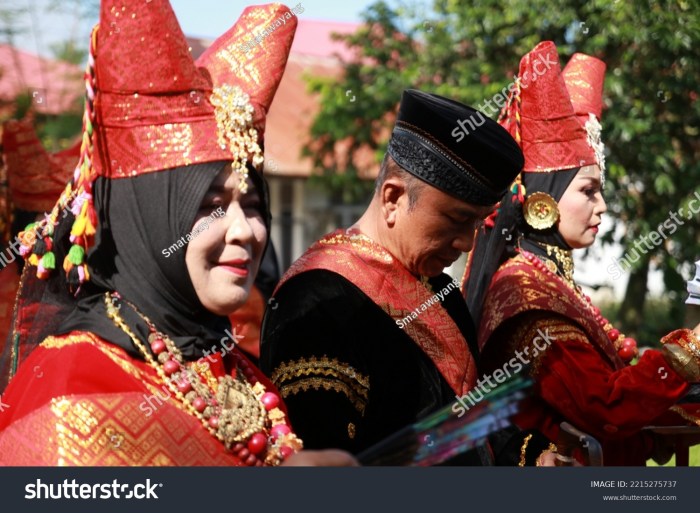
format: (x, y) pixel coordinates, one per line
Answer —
(393, 197)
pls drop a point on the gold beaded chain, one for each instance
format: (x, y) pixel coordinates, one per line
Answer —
(113, 314)
(566, 275)
(523, 450)
(564, 258)
(245, 416)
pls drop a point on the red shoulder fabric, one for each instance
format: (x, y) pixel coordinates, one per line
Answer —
(78, 400)
(519, 287)
(373, 270)
(576, 378)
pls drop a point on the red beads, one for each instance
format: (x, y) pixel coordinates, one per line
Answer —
(257, 443)
(270, 400)
(199, 404)
(628, 350)
(630, 342)
(184, 385)
(286, 451)
(280, 430)
(626, 353)
(170, 367)
(157, 346)
(613, 334)
(214, 422)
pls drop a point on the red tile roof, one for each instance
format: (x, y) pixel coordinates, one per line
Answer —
(56, 87)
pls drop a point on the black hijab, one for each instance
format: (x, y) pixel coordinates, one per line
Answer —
(493, 246)
(137, 219)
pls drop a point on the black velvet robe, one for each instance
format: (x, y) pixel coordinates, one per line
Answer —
(350, 376)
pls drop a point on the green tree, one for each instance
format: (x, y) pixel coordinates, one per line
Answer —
(470, 52)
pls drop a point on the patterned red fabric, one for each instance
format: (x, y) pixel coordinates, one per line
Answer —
(79, 400)
(152, 102)
(578, 378)
(519, 287)
(584, 76)
(543, 119)
(393, 288)
(35, 176)
(255, 68)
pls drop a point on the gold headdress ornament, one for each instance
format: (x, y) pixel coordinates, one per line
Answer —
(176, 112)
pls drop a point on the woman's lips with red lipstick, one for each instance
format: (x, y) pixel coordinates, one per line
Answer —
(239, 267)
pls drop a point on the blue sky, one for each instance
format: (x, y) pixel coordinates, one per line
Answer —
(203, 18)
(213, 17)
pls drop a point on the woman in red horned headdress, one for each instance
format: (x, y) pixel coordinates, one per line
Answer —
(520, 283)
(35, 178)
(168, 220)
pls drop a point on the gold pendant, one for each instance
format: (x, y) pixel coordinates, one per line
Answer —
(241, 413)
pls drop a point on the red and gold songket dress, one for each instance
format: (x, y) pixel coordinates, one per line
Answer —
(80, 400)
(578, 374)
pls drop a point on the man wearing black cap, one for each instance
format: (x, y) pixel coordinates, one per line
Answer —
(366, 334)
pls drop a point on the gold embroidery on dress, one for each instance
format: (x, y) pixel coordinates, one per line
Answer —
(325, 373)
(424, 281)
(75, 423)
(557, 329)
(359, 242)
(313, 365)
(110, 429)
(330, 384)
(114, 353)
(527, 293)
(686, 416)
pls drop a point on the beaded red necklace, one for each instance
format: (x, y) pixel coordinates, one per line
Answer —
(626, 347)
(236, 409)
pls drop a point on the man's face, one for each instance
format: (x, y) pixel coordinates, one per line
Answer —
(435, 232)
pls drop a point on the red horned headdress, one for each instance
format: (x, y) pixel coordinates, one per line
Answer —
(150, 107)
(584, 76)
(541, 118)
(35, 176)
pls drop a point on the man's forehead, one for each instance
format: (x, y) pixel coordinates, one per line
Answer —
(474, 210)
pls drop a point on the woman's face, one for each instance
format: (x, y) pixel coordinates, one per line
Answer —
(581, 208)
(223, 257)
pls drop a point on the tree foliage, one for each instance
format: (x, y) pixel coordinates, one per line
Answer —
(470, 51)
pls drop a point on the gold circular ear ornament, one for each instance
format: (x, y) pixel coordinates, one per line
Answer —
(540, 210)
